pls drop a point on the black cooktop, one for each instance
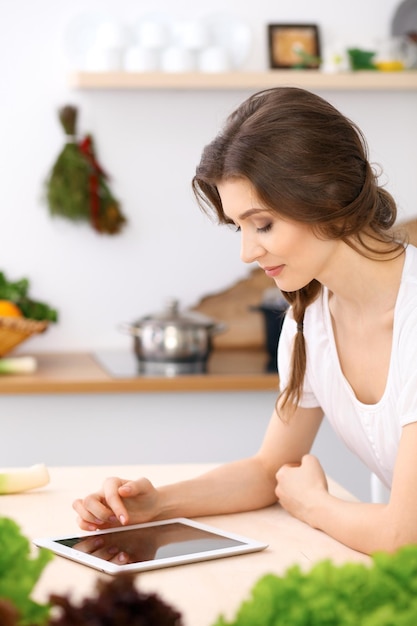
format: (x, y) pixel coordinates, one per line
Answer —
(124, 364)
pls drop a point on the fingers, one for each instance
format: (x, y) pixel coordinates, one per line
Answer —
(114, 499)
(133, 488)
(119, 502)
(102, 509)
(283, 468)
(306, 460)
(308, 474)
(92, 514)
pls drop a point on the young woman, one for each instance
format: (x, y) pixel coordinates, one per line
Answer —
(292, 175)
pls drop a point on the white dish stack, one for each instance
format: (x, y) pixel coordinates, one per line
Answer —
(218, 43)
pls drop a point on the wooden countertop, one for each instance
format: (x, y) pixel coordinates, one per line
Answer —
(228, 370)
(200, 591)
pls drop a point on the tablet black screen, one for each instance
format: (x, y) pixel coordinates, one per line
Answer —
(150, 542)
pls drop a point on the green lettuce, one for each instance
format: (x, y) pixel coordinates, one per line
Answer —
(20, 570)
(382, 594)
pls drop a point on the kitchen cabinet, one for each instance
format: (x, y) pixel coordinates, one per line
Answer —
(350, 81)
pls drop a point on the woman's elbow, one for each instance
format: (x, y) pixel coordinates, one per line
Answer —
(399, 534)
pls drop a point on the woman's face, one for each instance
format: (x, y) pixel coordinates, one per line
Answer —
(288, 251)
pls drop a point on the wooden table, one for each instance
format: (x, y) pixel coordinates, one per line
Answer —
(200, 591)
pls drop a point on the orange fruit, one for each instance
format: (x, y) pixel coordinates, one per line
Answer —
(9, 309)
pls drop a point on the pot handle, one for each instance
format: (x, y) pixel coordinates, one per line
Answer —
(128, 329)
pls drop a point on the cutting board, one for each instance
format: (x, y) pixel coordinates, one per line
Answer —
(234, 306)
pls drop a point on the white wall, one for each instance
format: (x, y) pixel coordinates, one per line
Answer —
(150, 142)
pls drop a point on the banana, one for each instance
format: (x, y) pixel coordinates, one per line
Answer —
(16, 480)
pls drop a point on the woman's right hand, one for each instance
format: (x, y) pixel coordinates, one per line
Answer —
(119, 502)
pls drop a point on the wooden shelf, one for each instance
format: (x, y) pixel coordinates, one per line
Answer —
(309, 79)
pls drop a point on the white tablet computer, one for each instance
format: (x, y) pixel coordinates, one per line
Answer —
(149, 546)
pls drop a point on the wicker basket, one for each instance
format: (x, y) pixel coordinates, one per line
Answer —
(14, 330)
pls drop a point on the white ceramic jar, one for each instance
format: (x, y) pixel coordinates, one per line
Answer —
(141, 59)
(178, 59)
(214, 59)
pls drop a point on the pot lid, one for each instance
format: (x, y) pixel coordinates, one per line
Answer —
(172, 315)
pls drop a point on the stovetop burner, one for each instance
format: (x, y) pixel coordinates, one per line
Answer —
(124, 364)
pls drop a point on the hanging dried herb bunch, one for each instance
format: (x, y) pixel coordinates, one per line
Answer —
(77, 187)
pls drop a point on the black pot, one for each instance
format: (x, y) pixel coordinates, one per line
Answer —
(273, 320)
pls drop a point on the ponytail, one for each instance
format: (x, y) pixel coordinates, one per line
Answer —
(290, 397)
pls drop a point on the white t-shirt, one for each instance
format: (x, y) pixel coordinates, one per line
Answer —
(372, 432)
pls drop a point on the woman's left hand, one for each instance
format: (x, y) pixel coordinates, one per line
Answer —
(300, 486)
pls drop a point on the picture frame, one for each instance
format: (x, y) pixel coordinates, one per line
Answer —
(294, 46)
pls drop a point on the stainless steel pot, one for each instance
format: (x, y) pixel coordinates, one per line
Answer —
(172, 342)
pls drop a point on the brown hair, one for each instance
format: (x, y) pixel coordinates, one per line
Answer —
(309, 163)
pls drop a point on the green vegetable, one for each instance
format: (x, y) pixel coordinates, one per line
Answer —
(353, 594)
(17, 292)
(18, 365)
(13, 291)
(19, 572)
